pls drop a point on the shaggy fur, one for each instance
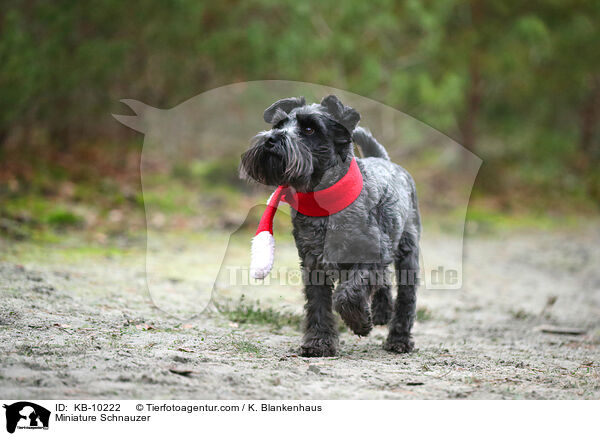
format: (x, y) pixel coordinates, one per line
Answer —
(345, 257)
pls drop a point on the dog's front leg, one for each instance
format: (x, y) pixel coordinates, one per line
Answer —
(352, 302)
(320, 329)
(382, 303)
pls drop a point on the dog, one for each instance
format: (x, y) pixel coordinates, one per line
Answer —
(345, 256)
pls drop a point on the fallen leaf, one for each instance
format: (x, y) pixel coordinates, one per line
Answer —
(182, 371)
(560, 330)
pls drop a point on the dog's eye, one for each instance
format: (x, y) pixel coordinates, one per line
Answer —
(308, 130)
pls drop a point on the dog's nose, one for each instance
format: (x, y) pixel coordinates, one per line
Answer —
(271, 142)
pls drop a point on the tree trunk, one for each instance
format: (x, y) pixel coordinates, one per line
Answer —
(468, 121)
(589, 145)
(3, 136)
(590, 114)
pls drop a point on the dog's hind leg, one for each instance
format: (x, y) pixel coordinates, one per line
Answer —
(382, 304)
(407, 268)
(320, 328)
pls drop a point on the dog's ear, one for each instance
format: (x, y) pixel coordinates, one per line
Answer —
(345, 115)
(342, 140)
(279, 110)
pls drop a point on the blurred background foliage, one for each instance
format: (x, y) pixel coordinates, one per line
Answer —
(517, 83)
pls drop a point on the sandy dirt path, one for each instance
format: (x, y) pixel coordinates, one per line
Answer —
(84, 327)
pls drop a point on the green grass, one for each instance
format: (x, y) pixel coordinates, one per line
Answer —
(424, 314)
(248, 347)
(244, 312)
(484, 220)
(34, 209)
(63, 218)
(207, 194)
(168, 195)
(65, 249)
(214, 173)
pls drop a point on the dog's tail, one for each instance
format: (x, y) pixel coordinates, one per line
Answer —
(368, 144)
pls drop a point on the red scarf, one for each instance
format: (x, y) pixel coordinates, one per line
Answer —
(321, 203)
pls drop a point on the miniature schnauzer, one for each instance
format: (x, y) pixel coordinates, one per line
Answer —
(309, 148)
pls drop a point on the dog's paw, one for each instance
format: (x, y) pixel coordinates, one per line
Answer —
(362, 328)
(399, 345)
(358, 321)
(319, 347)
(356, 315)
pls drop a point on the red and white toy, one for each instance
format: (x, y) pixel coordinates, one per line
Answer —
(317, 203)
(263, 243)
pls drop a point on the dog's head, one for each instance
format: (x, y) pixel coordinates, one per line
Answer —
(304, 142)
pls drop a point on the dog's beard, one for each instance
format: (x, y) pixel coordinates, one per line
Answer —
(288, 163)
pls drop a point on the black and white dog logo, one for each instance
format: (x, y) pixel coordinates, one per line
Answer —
(26, 415)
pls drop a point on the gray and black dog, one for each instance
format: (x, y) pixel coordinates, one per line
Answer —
(309, 148)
